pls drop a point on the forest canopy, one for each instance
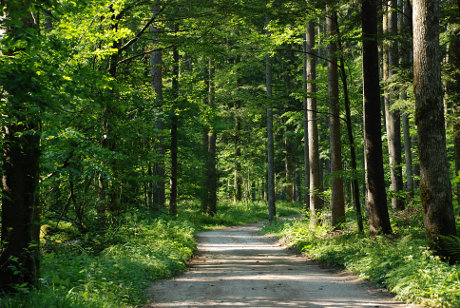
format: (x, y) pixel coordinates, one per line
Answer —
(111, 108)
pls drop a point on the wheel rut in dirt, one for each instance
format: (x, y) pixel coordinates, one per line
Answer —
(236, 267)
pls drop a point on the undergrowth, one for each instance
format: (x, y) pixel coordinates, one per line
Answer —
(400, 262)
(113, 267)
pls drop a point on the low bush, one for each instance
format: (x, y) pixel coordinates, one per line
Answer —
(109, 269)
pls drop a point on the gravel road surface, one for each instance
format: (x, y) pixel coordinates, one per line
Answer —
(236, 267)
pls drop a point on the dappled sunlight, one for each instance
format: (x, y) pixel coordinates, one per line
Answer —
(235, 267)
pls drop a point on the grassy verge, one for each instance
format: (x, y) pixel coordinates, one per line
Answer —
(400, 262)
(112, 268)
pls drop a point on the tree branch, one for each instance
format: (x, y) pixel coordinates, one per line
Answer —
(138, 35)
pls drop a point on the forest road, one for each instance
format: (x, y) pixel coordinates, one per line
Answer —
(236, 267)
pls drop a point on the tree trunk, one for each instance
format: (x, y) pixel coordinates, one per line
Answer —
(174, 124)
(237, 165)
(205, 185)
(337, 199)
(270, 143)
(406, 64)
(156, 73)
(307, 47)
(314, 171)
(453, 85)
(379, 220)
(393, 116)
(209, 198)
(435, 187)
(354, 181)
(19, 259)
(212, 170)
(289, 166)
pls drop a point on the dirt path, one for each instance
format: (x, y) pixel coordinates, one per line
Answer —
(235, 267)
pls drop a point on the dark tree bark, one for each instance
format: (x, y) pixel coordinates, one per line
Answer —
(435, 187)
(379, 220)
(109, 189)
(19, 259)
(354, 181)
(307, 47)
(337, 199)
(174, 125)
(156, 72)
(315, 188)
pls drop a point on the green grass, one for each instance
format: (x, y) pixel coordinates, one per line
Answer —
(113, 268)
(229, 214)
(400, 262)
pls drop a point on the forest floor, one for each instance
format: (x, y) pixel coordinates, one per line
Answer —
(236, 267)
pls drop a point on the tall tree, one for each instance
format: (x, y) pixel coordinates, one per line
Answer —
(435, 187)
(270, 141)
(379, 220)
(306, 143)
(19, 259)
(453, 79)
(212, 169)
(337, 199)
(156, 73)
(174, 126)
(393, 118)
(354, 181)
(311, 110)
(405, 30)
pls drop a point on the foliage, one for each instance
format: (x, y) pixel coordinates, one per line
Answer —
(112, 267)
(230, 214)
(108, 269)
(400, 262)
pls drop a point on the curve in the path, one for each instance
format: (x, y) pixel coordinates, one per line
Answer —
(235, 267)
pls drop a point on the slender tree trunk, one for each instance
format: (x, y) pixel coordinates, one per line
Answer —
(407, 153)
(209, 190)
(393, 115)
(435, 187)
(379, 220)
(406, 64)
(354, 181)
(109, 190)
(19, 259)
(270, 143)
(174, 124)
(156, 73)
(212, 170)
(453, 85)
(289, 166)
(307, 47)
(205, 185)
(148, 187)
(315, 188)
(237, 165)
(337, 199)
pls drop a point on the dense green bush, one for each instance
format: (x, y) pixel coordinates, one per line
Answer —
(110, 269)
